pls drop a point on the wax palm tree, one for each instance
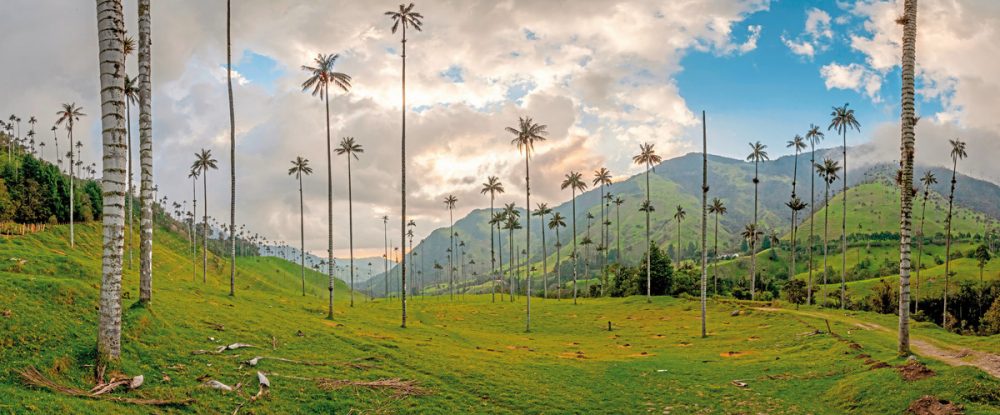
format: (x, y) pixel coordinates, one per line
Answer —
(541, 211)
(908, 138)
(797, 144)
(751, 234)
(350, 148)
(110, 23)
(526, 134)
(449, 203)
(193, 174)
(203, 163)
(131, 97)
(232, 153)
(69, 114)
(618, 201)
(321, 76)
(828, 172)
(385, 256)
(842, 119)
(957, 153)
(406, 18)
(718, 208)
(55, 140)
(145, 87)
(511, 223)
(647, 157)
(555, 222)
(679, 216)
(814, 136)
(757, 154)
(497, 220)
(574, 181)
(602, 178)
(796, 205)
(300, 167)
(493, 186)
(927, 180)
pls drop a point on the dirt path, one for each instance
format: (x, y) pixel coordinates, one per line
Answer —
(948, 353)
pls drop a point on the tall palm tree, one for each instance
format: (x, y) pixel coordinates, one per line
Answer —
(131, 97)
(704, 222)
(574, 181)
(679, 216)
(449, 203)
(320, 78)
(385, 256)
(828, 172)
(232, 153)
(145, 144)
(55, 139)
(602, 178)
(511, 223)
(814, 136)
(110, 25)
(842, 119)
(618, 201)
(796, 205)
(526, 134)
(555, 222)
(927, 180)
(69, 114)
(493, 186)
(300, 167)
(203, 163)
(718, 208)
(908, 138)
(497, 220)
(647, 156)
(542, 211)
(405, 17)
(193, 175)
(757, 154)
(957, 153)
(351, 148)
(797, 144)
(751, 234)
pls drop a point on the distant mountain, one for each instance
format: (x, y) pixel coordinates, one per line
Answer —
(674, 182)
(363, 273)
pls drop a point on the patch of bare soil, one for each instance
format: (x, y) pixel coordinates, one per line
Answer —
(929, 405)
(914, 370)
(988, 362)
(733, 354)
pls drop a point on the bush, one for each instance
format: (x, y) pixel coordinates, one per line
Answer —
(795, 291)
(990, 323)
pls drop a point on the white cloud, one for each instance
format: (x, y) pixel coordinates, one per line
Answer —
(854, 77)
(818, 24)
(816, 37)
(803, 48)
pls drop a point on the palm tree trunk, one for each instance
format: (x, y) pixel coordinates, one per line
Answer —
(947, 244)
(110, 25)
(385, 258)
(402, 218)
(920, 251)
(194, 227)
(350, 223)
(329, 206)
(704, 221)
(715, 258)
(558, 267)
(72, 198)
(575, 260)
(302, 237)
(145, 155)
(527, 237)
(753, 237)
(604, 281)
(511, 261)
(232, 157)
(843, 234)
(500, 257)
(545, 261)
(618, 233)
(451, 256)
(128, 177)
(812, 218)
(826, 233)
(906, 204)
(493, 256)
(649, 278)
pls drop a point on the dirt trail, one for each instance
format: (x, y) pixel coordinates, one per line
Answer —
(948, 353)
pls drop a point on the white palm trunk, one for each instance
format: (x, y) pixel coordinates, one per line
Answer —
(145, 156)
(906, 205)
(704, 221)
(110, 27)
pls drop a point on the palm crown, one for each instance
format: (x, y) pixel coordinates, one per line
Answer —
(679, 214)
(322, 75)
(842, 119)
(828, 170)
(797, 143)
(575, 181)
(69, 114)
(647, 155)
(542, 210)
(405, 16)
(203, 161)
(814, 135)
(526, 134)
(350, 147)
(957, 150)
(718, 206)
(492, 186)
(300, 166)
(602, 177)
(758, 152)
(449, 202)
(557, 220)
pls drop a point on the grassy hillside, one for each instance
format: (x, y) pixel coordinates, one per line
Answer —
(469, 356)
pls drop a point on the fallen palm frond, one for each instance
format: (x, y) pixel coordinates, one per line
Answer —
(221, 349)
(264, 386)
(399, 386)
(33, 377)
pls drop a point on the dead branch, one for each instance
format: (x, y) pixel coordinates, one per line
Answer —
(31, 376)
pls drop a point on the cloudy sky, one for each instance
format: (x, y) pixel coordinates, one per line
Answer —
(603, 75)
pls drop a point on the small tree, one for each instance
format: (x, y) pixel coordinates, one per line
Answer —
(795, 292)
(982, 255)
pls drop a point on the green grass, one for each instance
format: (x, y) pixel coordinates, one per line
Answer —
(471, 356)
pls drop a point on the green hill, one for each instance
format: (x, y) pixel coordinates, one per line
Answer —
(468, 356)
